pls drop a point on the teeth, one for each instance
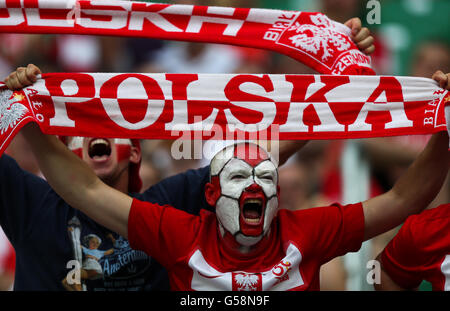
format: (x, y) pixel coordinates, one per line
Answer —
(99, 141)
(99, 148)
(252, 220)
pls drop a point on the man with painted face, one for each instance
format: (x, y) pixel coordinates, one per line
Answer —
(244, 189)
(115, 161)
(248, 244)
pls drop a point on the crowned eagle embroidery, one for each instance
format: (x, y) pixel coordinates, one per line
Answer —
(321, 36)
(246, 281)
(11, 111)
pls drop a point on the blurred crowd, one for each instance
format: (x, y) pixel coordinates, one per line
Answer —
(411, 40)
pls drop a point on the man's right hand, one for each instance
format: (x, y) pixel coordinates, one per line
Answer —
(22, 77)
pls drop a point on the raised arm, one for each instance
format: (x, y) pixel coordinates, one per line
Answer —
(76, 183)
(416, 188)
(68, 175)
(413, 191)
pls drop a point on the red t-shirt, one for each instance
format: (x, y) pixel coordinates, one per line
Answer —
(421, 250)
(298, 244)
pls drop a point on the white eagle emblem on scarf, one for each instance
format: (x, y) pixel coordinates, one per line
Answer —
(319, 37)
(11, 111)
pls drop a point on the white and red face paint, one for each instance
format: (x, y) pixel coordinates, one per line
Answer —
(246, 181)
(104, 145)
(108, 157)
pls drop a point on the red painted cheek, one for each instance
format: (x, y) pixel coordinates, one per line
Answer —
(123, 152)
(216, 182)
(78, 152)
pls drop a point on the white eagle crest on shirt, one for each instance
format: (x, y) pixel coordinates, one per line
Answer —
(10, 111)
(322, 36)
(246, 281)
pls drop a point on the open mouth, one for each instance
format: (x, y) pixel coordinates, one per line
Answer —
(252, 211)
(99, 149)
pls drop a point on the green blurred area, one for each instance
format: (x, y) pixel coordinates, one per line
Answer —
(407, 23)
(425, 286)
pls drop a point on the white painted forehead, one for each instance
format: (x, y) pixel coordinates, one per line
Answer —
(220, 159)
(224, 156)
(75, 143)
(212, 147)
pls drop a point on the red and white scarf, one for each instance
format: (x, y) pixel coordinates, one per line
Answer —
(225, 107)
(217, 106)
(311, 38)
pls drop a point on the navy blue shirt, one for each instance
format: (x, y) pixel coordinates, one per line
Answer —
(53, 241)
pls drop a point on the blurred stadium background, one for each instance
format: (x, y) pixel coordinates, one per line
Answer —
(412, 38)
